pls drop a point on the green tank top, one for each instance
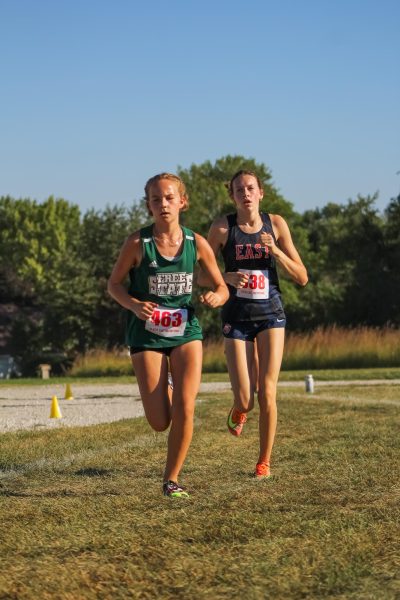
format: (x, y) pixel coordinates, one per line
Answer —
(169, 283)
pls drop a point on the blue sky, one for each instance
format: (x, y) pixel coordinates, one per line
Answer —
(96, 97)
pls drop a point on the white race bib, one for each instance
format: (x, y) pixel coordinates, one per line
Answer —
(257, 286)
(167, 322)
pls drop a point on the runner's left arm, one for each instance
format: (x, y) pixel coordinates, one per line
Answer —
(285, 252)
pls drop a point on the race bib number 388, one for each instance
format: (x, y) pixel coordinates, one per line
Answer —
(167, 322)
(257, 286)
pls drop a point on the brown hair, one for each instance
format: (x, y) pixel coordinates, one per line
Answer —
(243, 172)
(181, 188)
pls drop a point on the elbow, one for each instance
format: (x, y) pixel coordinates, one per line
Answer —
(203, 280)
(109, 287)
(303, 280)
(301, 277)
(225, 293)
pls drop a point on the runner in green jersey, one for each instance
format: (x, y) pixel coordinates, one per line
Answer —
(161, 324)
(169, 284)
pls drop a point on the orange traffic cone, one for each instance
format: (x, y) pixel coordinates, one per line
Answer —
(68, 392)
(55, 412)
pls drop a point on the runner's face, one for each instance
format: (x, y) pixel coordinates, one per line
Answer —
(246, 192)
(165, 201)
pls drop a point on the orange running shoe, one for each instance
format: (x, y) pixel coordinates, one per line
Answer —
(262, 471)
(236, 420)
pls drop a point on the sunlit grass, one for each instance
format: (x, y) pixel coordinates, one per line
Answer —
(83, 516)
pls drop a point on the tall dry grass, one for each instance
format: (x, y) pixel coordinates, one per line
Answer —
(329, 348)
(99, 362)
(339, 348)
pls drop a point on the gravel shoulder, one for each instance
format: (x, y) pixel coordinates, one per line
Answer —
(28, 407)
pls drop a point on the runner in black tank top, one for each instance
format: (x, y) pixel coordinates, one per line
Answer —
(244, 252)
(253, 320)
(162, 327)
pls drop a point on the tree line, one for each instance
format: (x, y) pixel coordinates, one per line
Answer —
(55, 262)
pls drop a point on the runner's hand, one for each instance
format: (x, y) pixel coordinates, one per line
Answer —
(267, 240)
(236, 278)
(211, 299)
(144, 310)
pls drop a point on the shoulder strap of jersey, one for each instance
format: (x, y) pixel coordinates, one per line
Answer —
(189, 234)
(146, 233)
(232, 220)
(266, 219)
(191, 238)
(148, 246)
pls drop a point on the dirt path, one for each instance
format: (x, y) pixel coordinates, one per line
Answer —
(28, 407)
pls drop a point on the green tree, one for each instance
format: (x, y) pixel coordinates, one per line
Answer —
(347, 252)
(34, 241)
(208, 195)
(390, 287)
(54, 268)
(102, 235)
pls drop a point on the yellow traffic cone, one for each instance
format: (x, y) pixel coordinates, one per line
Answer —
(68, 392)
(55, 412)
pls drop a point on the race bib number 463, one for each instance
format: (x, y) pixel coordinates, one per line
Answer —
(167, 322)
(257, 286)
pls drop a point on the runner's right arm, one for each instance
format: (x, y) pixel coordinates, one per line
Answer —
(217, 238)
(129, 257)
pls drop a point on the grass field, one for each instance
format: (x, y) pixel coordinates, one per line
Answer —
(82, 514)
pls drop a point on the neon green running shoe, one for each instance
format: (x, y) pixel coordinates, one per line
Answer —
(173, 490)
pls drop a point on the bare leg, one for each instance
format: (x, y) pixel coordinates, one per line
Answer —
(151, 370)
(185, 363)
(255, 368)
(270, 344)
(239, 358)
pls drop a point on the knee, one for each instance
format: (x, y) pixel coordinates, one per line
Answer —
(267, 404)
(268, 389)
(244, 403)
(159, 425)
(183, 412)
(267, 397)
(245, 406)
(160, 428)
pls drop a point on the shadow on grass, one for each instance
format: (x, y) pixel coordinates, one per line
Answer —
(54, 494)
(7, 466)
(86, 472)
(94, 472)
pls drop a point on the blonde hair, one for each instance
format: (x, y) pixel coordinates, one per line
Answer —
(180, 185)
(243, 172)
